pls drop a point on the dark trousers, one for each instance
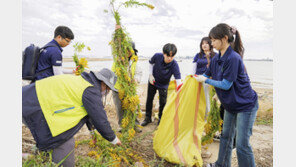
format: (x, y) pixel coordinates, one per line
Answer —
(150, 96)
(62, 151)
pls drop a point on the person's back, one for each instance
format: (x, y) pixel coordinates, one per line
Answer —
(50, 61)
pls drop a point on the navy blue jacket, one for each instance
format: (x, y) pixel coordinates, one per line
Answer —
(92, 101)
(51, 56)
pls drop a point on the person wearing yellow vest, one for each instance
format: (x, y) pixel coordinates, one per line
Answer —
(137, 74)
(56, 108)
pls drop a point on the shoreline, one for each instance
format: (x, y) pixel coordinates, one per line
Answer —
(70, 59)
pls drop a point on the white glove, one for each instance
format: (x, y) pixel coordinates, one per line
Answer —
(116, 141)
(151, 79)
(200, 78)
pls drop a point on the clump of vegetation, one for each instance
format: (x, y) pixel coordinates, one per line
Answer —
(42, 159)
(121, 48)
(104, 151)
(214, 121)
(81, 63)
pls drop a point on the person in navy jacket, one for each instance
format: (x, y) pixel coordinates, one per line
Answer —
(50, 61)
(232, 84)
(101, 82)
(201, 60)
(161, 67)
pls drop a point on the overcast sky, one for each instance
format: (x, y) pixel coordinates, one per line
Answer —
(183, 23)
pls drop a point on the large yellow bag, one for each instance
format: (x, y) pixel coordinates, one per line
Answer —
(178, 136)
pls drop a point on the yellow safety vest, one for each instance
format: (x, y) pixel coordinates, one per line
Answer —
(60, 98)
(132, 68)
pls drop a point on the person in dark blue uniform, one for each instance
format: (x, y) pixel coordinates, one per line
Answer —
(233, 88)
(161, 68)
(50, 61)
(201, 60)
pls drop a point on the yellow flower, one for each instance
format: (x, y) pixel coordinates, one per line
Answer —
(91, 143)
(125, 103)
(124, 122)
(121, 94)
(140, 114)
(126, 77)
(117, 71)
(125, 160)
(134, 58)
(98, 156)
(88, 48)
(114, 156)
(131, 133)
(92, 153)
(77, 72)
(83, 62)
(150, 6)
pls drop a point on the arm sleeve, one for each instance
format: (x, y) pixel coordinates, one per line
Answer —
(152, 60)
(230, 69)
(195, 58)
(67, 71)
(224, 84)
(194, 68)
(93, 105)
(177, 73)
(206, 76)
(57, 70)
(151, 69)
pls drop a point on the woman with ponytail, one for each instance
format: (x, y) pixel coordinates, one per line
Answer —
(233, 88)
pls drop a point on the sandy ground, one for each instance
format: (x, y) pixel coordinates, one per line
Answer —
(261, 140)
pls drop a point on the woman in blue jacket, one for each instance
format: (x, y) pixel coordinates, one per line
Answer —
(233, 88)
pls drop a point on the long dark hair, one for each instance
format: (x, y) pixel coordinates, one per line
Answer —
(221, 30)
(201, 52)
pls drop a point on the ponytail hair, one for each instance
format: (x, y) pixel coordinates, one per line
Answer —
(221, 30)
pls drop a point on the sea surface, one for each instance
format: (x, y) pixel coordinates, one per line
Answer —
(260, 72)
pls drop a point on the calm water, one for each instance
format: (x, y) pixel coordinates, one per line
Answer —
(260, 72)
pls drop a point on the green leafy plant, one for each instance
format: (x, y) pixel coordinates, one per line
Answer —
(81, 63)
(42, 159)
(214, 121)
(121, 50)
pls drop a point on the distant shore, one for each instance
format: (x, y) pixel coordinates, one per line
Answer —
(93, 59)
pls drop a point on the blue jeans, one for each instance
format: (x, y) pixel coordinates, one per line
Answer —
(241, 124)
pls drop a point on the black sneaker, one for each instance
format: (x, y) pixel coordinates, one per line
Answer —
(146, 122)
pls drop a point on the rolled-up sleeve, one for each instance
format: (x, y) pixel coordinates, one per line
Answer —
(93, 105)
